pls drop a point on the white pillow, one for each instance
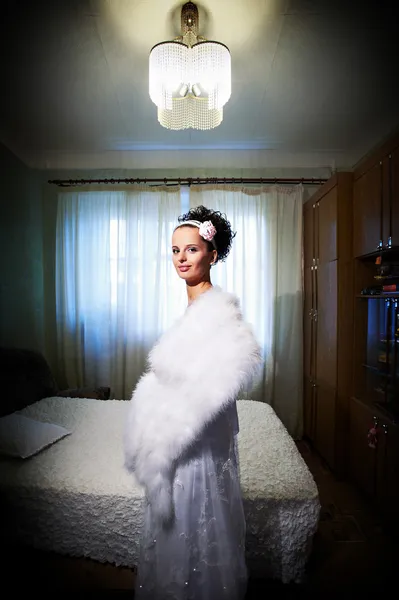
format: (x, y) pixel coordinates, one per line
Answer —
(22, 437)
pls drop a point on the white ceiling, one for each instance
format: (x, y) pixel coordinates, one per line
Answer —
(311, 80)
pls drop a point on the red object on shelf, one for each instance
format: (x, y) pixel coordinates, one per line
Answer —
(394, 287)
(372, 436)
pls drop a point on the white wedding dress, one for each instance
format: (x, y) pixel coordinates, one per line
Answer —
(201, 555)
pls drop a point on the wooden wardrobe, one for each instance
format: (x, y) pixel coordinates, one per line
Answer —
(328, 318)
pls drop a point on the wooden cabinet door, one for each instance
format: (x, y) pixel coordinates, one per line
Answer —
(308, 308)
(308, 321)
(327, 227)
(326, 345)
(362, 458)
(367, 216)
(387, 481)
(326, 361)
(325, 422)
(308, 407)
(308, 235)
(391, 199)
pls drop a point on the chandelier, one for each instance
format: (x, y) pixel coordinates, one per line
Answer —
(190, 77)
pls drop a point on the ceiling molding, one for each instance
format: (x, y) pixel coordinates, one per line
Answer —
(189, 159)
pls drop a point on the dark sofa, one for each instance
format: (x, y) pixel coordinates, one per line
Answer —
(25, 378)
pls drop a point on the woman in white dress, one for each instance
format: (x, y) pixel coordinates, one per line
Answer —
(180, 438)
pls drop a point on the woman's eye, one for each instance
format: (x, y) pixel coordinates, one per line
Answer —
(174, 251)
(192, 249)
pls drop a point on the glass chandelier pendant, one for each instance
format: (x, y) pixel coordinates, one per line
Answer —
(190, 77)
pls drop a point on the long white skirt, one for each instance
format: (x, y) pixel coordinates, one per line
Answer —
(201, 555)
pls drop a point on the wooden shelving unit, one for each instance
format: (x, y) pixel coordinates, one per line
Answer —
(374, 404)
(351, 339)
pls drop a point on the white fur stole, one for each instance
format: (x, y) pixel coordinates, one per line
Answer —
(196, 368)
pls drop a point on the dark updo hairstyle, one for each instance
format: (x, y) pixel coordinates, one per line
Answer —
(224, 234)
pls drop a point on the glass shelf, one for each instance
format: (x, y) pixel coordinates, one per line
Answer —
(383, 296)
(378, 377)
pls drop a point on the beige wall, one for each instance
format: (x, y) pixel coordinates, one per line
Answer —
(21, 263)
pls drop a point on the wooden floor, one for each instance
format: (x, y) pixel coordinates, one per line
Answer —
(352, 555)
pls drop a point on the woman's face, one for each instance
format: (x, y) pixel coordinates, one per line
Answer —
(191, 255)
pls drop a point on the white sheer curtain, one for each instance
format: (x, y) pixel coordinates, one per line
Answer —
(264, 269)
(116, 289)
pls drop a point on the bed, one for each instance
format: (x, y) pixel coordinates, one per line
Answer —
(74, 497)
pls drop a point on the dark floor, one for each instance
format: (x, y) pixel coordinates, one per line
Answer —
(352, 555)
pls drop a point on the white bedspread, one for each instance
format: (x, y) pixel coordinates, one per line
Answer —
(75, 497)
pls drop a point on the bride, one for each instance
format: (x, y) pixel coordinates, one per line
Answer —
(180, 436)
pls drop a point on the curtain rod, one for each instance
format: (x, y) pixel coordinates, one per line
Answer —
(190, 181)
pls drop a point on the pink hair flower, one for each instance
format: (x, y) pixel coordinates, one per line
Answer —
(207, 230)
